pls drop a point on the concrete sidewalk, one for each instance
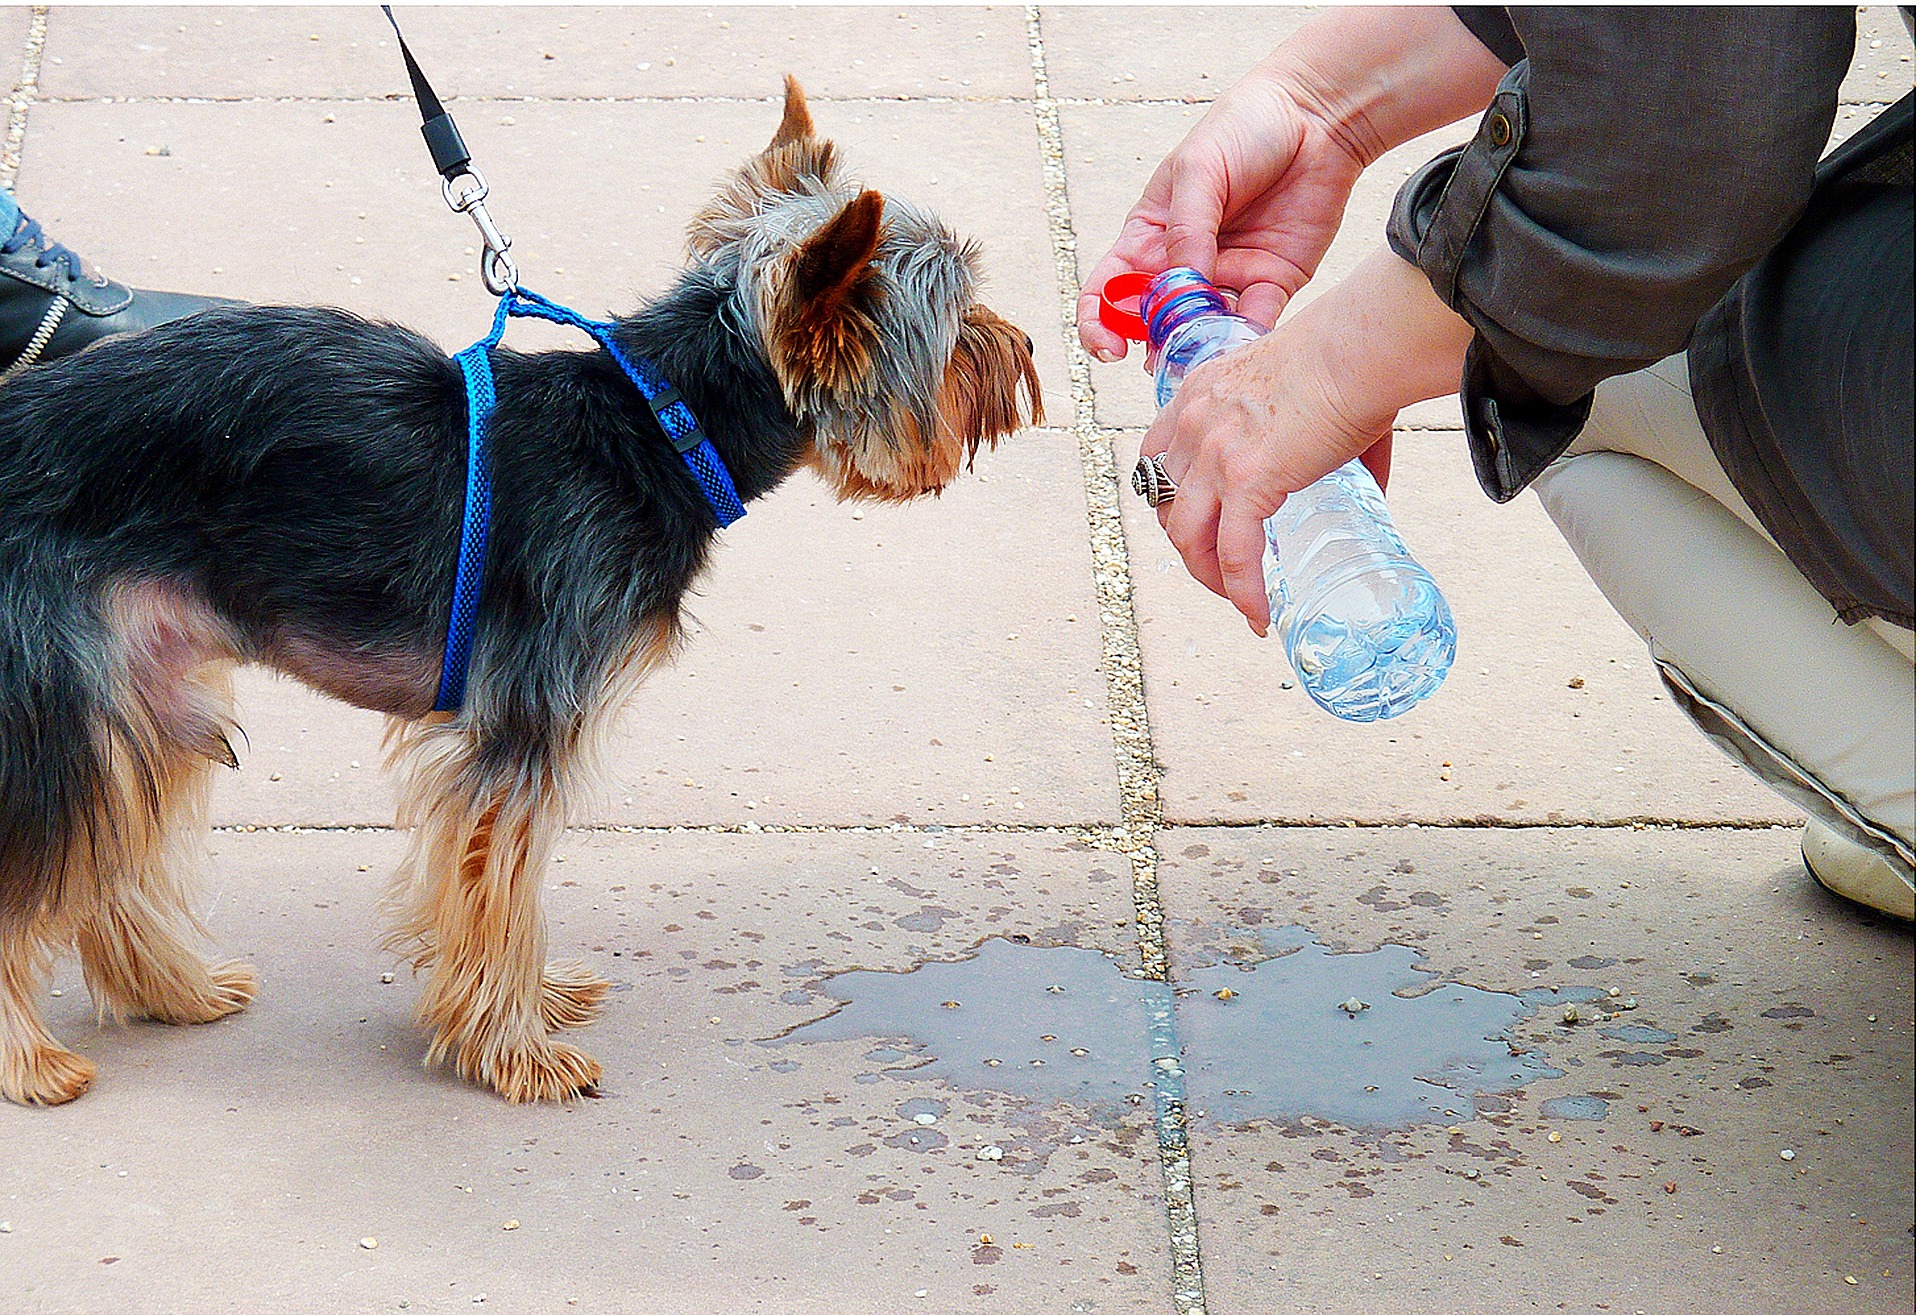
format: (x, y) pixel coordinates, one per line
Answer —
(968, 767)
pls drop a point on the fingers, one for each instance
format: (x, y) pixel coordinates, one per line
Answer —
(1154, 443)
(1222, 544)
(1102, 343)
(1188, 518)
(1262, 303)
(1240, 548)
(1267, 280)
(1192, 522)
(1159, 435)
(1378, 459)
(1197, 200)
(1141, 245)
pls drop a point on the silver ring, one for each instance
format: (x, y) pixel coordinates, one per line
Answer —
(1151, 481)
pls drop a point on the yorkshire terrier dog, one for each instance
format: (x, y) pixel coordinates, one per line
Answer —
(284, 486)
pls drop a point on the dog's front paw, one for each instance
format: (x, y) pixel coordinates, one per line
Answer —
(570, 995)
(549, 1071)
(46, 1075)
(229, 988)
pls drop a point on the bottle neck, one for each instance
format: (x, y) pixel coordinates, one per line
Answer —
(1175, 299)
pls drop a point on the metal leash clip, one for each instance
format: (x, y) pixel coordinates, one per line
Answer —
(460, 183)
(497, 268)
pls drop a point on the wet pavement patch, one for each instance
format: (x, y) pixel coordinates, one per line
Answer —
(1365, 1039)
(1046, 1023)
(1639, 1034)
(1575, 1107)
(1291, 1029)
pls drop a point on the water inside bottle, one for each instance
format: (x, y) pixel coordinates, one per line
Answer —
(1371, 636)
(1376, 644)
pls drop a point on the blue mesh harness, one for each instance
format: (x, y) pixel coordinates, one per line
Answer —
(675, 417)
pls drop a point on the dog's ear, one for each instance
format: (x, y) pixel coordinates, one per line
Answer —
(831, 263)
(796, 124)
(821, 330)
(796, 160)
(796, 151)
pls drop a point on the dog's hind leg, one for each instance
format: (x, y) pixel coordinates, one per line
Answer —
(138, 946)
(469, 916)
(173, 709)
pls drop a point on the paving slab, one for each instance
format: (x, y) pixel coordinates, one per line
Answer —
(1111, 152)
(989, 716)
(1790, 1018)
(15, 22)
(1850, 119)
(1552, 711)
(1159, 52)
(244, 1162)
(1882, 68)
(471, 51)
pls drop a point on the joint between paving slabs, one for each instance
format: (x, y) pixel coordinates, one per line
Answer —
(25, 92)
(1112, 839)
(1126, 703)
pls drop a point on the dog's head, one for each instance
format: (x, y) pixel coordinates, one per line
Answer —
(866, 309)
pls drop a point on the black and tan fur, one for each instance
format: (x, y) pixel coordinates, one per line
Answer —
(283, 486)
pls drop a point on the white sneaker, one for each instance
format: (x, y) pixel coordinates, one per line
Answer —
(1856, 873)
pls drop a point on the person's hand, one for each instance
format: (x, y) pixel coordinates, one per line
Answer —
(1251, 198)
(1247, 429)
(1243, 432)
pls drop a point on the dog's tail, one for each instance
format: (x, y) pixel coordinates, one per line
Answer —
(55, 828)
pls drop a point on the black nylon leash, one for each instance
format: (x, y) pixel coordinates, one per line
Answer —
(449, 152)
(454, 162)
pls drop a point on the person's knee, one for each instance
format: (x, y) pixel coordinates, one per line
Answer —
(1748, 648)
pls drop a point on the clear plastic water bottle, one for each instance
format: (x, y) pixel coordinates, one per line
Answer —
(1366, 628)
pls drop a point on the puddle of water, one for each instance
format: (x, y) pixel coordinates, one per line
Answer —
(1542, 996)
(1064, 1023)
(1290, 1041)
(1047, 1023)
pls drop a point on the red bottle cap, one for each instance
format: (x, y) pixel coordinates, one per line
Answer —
(1125, 320)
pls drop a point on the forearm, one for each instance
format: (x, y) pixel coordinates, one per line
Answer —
(1252, 427)
(1377, 342)
(1380, 76)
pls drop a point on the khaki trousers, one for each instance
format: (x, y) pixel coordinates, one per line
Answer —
(1821, 711)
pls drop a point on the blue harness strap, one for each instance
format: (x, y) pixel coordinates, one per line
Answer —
(473, 528)
(676, 419)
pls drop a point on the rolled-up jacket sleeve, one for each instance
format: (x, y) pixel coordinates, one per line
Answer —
(1630, 168)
